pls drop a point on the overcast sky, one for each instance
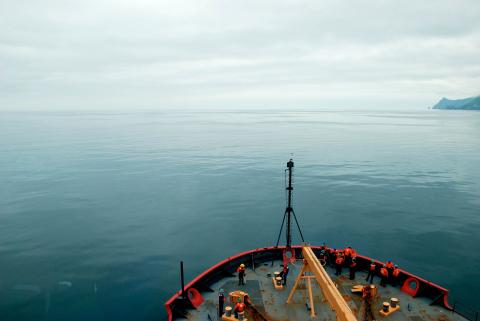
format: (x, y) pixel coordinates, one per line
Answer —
(133, 55)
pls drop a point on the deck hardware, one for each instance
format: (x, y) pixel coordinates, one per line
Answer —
(182, 279)
(329, 290)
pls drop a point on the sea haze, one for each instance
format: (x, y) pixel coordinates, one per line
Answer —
(97, 209)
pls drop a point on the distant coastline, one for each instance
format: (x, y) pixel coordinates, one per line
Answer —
(471, 103)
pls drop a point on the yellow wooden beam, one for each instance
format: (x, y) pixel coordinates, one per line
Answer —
(329, 290)
(295, 285)
(310, 294)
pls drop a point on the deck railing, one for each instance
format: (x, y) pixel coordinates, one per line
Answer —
(176, 307)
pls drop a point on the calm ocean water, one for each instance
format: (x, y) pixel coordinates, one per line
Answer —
(97, 209)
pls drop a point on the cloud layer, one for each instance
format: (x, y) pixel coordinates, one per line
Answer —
(127, 55)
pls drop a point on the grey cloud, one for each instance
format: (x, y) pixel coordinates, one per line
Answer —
(195, 54)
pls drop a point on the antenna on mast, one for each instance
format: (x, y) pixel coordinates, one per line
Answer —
(289, 212)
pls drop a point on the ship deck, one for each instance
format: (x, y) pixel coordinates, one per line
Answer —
(271, 302)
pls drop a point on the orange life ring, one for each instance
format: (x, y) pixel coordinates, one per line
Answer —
(289, 256)
(411, 286)
(195, 297)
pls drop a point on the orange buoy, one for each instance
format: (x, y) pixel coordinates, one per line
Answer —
(411, 286)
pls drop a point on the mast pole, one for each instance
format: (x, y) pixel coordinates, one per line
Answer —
(289, 209)
(287, 216)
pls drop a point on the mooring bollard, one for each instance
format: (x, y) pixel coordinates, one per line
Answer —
(228, 311)
(386, 307)
(241, 315)
(393, 302)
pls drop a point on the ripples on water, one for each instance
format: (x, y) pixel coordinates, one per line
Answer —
(97, 209)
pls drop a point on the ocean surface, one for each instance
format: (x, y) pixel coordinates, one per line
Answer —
(97, 209)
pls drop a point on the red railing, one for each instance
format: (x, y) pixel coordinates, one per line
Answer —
(429, 288)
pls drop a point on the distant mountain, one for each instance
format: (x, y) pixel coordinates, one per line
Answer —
(472, 103)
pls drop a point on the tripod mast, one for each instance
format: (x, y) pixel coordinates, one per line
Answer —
(289, 212)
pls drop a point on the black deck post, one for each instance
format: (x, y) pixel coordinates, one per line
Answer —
(182, 279)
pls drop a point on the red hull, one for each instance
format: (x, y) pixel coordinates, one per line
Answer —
(429, 289)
